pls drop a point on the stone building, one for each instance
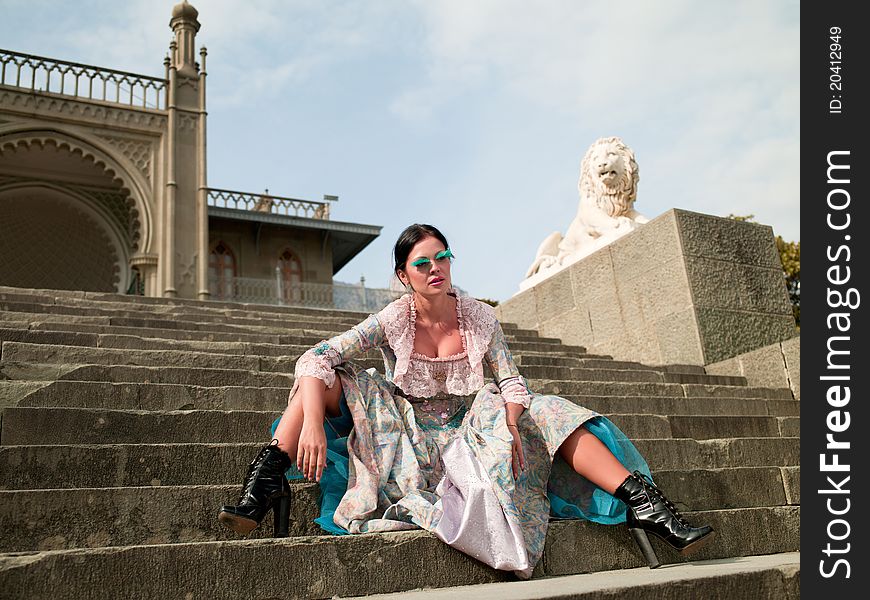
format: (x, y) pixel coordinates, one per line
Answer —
(103, 186)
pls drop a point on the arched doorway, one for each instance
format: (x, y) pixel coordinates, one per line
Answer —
(55, 238)
(71, 217)
(221, 271)
(290, 270)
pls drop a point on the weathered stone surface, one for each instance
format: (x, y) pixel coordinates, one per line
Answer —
(791, 477)
(704, 379)
(572, 326)
(740, 331)
(553, 296)
(775, 529)
(674, 406)
(520, 310)
(18, 352)
(677, 453)
(123, 465)
(177, 375)
(54, 519)
(726, 239)
(710, 427)
(789, 426)
(580, 374)
(23, 425)
(97, 517)
(155, 396)
(357, 563)
(678, 338)
(766, 577)
(712, 391)
(658, 239)
(791, 350)
(737, 286)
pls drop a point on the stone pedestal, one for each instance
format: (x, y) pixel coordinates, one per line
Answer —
(685, 288)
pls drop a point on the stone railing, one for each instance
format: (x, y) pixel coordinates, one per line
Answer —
(267, 203)
(339, 295)
(41, 74)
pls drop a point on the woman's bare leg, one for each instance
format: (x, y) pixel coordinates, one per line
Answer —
(319, 401)
(593, 460)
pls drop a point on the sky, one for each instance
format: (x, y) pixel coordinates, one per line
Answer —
(471, 115)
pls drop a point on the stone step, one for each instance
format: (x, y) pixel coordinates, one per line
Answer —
(548, 359)
(137, 342)
(131, 465)
(302, 341)
(143, 375)
(20, 352)
(72, 297)
(158, 396)
(40, 425)
(180, 334)
(630, 393)
(45, 324)
(670, 373)
(151, 306)
(82, 355)
(55, 519)
(663, 405)
(672, 453)
(766, 577)
(690, 390)
(625, 375)
(195, 322)
(217, 322)
(155, 396)
(358, 564)
(178, 314)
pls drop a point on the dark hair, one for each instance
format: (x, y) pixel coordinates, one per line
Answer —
(408, 238)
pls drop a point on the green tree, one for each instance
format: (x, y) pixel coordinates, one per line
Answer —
(790, 255)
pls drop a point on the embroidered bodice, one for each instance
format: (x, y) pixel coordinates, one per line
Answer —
(418, 376)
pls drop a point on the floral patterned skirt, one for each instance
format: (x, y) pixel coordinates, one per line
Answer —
(444, 464)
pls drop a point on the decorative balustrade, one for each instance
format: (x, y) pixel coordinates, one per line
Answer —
(339, 295)
(267, 203)
(41, 74)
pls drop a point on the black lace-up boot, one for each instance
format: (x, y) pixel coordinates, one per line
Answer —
(649, 511)
(265, 487)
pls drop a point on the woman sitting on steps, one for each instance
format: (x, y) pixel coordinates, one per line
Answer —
(483, 478)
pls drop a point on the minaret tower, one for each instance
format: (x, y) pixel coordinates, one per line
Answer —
(185, 213)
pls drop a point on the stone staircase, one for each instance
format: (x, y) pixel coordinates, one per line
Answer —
(128, 421)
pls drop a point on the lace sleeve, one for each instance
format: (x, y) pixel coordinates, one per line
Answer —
(321, 360)
(511, 384)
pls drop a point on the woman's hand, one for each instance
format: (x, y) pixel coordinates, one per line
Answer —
(518, 460)
(512, 412)
(311, 451)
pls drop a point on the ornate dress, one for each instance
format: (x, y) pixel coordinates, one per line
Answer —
(426, 444)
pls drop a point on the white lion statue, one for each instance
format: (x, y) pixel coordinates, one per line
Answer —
(608, 189)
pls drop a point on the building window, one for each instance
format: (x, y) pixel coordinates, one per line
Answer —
(291, 277)
(137, 283)
(221, 271)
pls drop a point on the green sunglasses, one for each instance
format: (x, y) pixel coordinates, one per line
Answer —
(425, 261)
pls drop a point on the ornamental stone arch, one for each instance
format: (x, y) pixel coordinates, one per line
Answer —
(110, 160)
(57, 238)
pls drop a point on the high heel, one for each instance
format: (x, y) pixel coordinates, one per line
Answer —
(649, 511)
(265, 487)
